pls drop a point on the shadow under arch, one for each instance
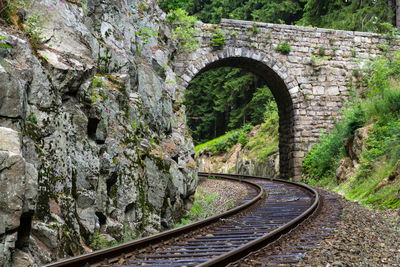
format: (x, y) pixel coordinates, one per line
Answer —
(283, 98)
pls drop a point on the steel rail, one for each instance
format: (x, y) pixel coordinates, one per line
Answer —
(268, 238)
(116, 251)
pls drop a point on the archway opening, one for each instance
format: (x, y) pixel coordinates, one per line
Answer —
(265, 77)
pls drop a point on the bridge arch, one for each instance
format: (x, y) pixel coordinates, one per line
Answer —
(310, 82)
(283, 87)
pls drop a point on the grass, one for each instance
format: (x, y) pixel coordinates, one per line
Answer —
(265, 142)
(202, 207)
(258, 147)
(224, 142)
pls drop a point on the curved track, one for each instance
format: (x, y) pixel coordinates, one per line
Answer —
(221, 239)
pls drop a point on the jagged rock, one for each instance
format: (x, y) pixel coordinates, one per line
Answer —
(18, 192)
(97, 122)
(356, 145)
(10, 140)
(46, 234)
(267, 168)
(11, 96)
(22, 259)
(354, 148)
(345, 169)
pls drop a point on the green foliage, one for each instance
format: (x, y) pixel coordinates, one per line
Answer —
(379, 108)
(355, 15)
(265, 141)
(218, 39)
(169, 5)
(32, 118)
(274, 11)
(254, 29)
(184, 30)
(100, 242)
(283, 48)
(3, 40)
(97, 82)
(144, 35)
(202, 206)
(34, 28)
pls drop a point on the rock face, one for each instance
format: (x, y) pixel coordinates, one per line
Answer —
(354, 147)
(237, 161)
(266, 168)
(96, 142)
(18, 192)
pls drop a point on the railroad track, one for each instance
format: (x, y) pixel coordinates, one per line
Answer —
(274, 208)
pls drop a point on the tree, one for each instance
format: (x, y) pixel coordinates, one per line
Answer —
(355, 15)
(274, 11)
(397, 15)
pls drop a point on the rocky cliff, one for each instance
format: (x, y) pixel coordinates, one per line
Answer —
(99, 145)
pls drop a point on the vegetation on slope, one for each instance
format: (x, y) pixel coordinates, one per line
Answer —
(376, 180)
(257, 142)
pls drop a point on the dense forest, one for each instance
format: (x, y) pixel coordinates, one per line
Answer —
(234, 97)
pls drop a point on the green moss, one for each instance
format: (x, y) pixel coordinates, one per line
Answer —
(100, 242)
(3, 42)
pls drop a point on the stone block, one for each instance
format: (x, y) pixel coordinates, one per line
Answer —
(332, 90)
(10, 140)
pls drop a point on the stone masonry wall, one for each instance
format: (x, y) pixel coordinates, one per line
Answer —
(310, 84)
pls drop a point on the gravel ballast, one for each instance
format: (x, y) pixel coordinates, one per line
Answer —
(363, 237)
(229, 193)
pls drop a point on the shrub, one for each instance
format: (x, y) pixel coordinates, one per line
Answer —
(184, 30)
(218, 39)
(284, 48)
(34, 29)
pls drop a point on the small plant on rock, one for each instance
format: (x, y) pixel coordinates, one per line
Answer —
(32, 118)
(34, 29)
(284, 48)
(184, 30)
(218, 39)
(97, 82)
(254, 29)
(3, 40)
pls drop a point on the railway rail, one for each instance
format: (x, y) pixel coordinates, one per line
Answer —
(274, 208)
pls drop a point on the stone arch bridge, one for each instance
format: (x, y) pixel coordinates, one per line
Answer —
(310, 84)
